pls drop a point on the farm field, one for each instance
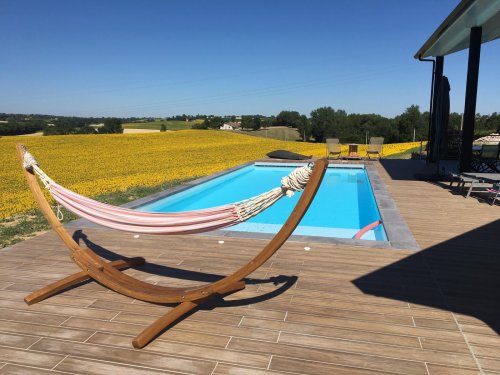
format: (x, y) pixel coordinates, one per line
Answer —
(171, 125)
(281, 133)
(95, 165)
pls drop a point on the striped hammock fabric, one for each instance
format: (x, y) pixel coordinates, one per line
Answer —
(190, 222)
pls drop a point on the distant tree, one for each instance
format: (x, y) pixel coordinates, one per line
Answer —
(256, 123)
(357, 128)
(411, 119)
(216, 122)
(325, 122)
(16, 127)
(85, 130)
(288, 118)
(486, 124)
(384, 127)
(202, 126)
(266, 122)
(455, 121)
(163, 128)
(71, 122)
(304, 127)
(112, 125)
(247, 122)
(51, 130)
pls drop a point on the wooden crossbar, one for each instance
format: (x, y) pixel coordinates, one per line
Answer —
(109, 274)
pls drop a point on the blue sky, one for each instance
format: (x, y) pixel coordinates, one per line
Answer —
(160, 57)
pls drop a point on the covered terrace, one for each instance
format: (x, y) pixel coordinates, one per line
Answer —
(470, 24)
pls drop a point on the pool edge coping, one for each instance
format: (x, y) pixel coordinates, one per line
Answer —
(399, 235)
(396, 229)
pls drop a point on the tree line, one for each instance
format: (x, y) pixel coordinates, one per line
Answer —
(322, 123)
(16, 127)
(412, 124)
(22, 124)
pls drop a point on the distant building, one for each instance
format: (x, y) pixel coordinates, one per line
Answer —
(493, 138)
(231, 126)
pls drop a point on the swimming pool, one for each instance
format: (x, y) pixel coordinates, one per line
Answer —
(343, 205)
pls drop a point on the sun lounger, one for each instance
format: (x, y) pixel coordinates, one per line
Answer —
(486, 177)
(333, 148)
(478, 187)
(478, 182)
(461, 180)
(375, 147)
(481, 182)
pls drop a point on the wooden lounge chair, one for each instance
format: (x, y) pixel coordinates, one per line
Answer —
(333, 148)
(375, 148)
(109, 275)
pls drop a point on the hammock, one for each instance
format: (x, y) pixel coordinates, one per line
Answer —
(188, 298)
(197, 221)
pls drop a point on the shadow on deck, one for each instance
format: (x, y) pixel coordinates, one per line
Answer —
(284, 282)
(406, 169)
(461, 275)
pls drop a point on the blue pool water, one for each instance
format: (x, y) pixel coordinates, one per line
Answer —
(343, 205)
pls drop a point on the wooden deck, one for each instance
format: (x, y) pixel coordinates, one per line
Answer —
(335, 309)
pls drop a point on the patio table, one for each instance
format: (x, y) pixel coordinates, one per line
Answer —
(353, 151)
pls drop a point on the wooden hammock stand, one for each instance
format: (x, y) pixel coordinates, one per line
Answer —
(109, 275)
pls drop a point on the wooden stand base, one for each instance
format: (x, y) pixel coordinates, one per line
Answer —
(54, 288)
(146, 336)
(149, 334)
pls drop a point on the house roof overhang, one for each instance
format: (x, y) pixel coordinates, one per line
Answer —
(453, 34)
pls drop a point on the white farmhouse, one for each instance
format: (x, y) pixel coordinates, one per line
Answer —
(231, 126)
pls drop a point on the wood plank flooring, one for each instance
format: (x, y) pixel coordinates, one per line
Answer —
(334, 309)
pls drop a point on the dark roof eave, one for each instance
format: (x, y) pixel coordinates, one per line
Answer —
(450, 20)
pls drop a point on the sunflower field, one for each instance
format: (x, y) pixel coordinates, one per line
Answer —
(98, 164)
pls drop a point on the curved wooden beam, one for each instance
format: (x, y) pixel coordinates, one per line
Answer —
(108, 275)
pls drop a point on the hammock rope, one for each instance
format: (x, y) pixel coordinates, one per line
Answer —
(197, 221)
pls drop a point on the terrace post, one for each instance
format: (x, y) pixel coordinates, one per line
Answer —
(470, 98)
(438, 74)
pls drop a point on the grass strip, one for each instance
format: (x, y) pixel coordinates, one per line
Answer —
(405, 154)
(28, 224)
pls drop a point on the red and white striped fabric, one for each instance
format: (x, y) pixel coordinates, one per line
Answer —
(197, 221)
(145, 222)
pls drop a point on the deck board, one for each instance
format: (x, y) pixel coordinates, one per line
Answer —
(336, 309)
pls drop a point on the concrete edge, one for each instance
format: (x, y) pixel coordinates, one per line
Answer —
(396, 229)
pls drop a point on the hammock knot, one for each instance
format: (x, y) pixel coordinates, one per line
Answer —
(296, 180)
(32, 166)
(29, 161)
